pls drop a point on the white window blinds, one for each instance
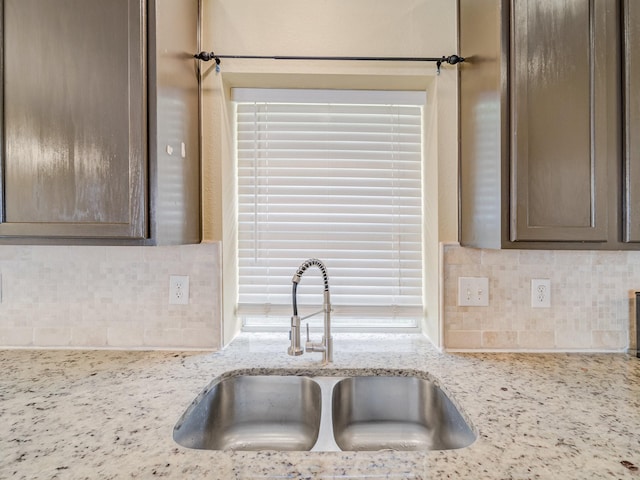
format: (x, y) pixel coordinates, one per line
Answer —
(336, 181)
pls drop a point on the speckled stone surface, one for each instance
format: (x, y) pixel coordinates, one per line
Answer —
(106, 414)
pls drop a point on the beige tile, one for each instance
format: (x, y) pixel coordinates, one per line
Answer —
(609, 340)
(496, 322)
(15, 253)
(16, 337)
(535, 320)
(94, 336)
(473, 320)
(500, 257)
(573, 258)
(163, 337)
(462, 256)
(536, 340)
(52, 336)
(537, 257)
(208, 338)
(164, 254)
(125, 336)
(610, 258)
(573, 339)
(463, 339)
(124, 255)
(504, 339)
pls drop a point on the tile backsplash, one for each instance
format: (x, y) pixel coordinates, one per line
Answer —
(108, 297)
(592, 300)
(118, 297)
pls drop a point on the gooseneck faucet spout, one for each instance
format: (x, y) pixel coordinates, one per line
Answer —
(326, 346)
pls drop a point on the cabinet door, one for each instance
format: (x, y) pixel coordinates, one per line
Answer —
(563, 112)
(74, 104)
(632, 123)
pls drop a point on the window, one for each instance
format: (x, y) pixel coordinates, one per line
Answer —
(335, 175)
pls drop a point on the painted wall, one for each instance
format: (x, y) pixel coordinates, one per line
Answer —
(425, 28)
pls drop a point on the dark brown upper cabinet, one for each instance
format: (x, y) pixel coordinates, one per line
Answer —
(541, 122)
(95, 94)
(632, 121)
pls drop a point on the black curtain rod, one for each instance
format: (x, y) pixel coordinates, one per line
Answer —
(451, 59)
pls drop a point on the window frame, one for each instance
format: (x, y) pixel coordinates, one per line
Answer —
(342, 96)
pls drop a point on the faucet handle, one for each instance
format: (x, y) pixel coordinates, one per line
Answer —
(311, 346)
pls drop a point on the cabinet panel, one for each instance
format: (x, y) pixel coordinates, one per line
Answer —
(484, 184)
(561, 138)
(74, 150)
(632, 117)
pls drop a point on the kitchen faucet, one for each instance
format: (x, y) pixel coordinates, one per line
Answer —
(326, 346)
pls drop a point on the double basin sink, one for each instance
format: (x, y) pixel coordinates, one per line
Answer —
(322, 413)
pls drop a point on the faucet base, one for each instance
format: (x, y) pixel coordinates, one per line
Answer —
(295, 351)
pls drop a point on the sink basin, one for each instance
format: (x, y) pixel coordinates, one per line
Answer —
(247, 412)
(398, 413)
(324, 413)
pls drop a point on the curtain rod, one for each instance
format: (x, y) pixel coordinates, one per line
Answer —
(451, 59)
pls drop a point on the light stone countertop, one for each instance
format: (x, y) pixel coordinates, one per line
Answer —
(110, 414)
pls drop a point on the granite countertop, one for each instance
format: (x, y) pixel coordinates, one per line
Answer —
(110, 414)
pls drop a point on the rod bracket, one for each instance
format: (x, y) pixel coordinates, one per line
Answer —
(451, 60)
(207, 56)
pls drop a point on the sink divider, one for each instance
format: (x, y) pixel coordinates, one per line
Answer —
(326, 441)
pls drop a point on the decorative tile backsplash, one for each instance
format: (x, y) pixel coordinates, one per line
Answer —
(118, 297)
(108, 297)
(592, 300)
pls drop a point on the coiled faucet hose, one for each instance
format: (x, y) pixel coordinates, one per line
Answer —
(298, 275)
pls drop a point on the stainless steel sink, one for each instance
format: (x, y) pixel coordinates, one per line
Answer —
(397, 413)
(288, 412)
(253, 413)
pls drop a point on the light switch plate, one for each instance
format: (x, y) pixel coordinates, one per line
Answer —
(473, 291)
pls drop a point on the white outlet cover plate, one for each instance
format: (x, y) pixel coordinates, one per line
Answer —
(179, 289)
(473, 291)
(541, 293)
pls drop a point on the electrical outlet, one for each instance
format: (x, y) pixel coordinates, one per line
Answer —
(540, 293)
(179, 289)
(473, 291)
